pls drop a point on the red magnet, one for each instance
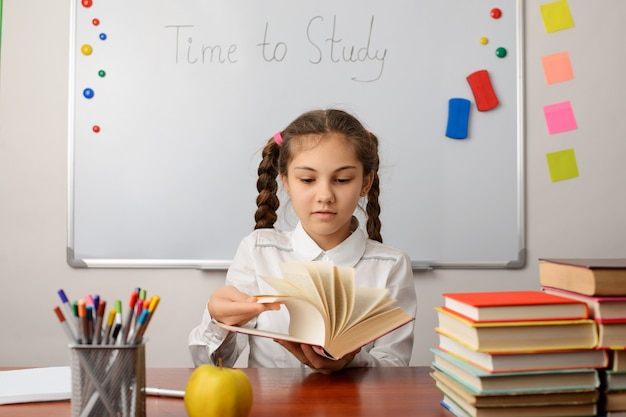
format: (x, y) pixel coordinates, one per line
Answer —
(95, 22)
(496, 13)
(87, 3)
(96, 129)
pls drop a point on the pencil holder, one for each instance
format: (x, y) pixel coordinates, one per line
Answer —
(108, 380)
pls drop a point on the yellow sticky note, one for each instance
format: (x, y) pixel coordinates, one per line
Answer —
(562, 165)
(556, 16)
(557, 67)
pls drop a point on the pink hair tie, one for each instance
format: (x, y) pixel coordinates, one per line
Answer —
(278, 138)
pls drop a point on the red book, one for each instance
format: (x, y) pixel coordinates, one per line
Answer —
(514, 306)
(601, 309)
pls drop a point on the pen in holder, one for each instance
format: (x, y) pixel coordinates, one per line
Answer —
(108, 380)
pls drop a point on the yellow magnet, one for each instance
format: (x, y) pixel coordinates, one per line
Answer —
(86, 49)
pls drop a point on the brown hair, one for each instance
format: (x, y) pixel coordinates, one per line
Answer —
(276, 157)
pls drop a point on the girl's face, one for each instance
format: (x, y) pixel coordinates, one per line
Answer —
(325, 180)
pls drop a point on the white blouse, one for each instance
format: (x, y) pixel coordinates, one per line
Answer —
(262, 252)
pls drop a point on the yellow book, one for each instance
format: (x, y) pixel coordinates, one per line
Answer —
(518, 336)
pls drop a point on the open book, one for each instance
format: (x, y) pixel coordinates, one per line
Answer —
(327, 310)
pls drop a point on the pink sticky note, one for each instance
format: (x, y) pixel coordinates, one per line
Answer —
(559, 117)
(557, 67)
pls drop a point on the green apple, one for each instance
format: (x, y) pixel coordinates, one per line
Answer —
(214, 391)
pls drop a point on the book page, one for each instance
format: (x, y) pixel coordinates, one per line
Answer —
(369, 302)
(327, 276)
(306, 323)
(367, 331)
(319, 285)
(297, 275)
(346, 281)
(340, 304)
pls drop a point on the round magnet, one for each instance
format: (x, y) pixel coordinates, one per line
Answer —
(95, 22)
(88, 93)
(87, 3)
(103, 36)
(496, 13)
(501, 52)
(102, 73)
(86, 49)
(96, 128)
(484, 41)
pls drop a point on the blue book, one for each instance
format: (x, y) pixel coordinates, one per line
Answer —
(452, 407)
(479, 381)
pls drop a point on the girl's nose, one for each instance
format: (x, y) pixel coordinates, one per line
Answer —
(325, 194)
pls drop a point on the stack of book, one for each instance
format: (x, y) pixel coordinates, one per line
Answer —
(601, 285)
(614, 385)
(517, 353)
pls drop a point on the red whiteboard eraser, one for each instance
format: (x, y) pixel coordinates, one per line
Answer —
(482, 89)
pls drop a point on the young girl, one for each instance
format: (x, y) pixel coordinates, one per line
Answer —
(327, 162)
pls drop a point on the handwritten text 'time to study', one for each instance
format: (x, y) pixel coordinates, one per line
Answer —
(321, 39)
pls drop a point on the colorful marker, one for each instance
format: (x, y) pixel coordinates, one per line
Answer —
(138, 309)
(117, 326)
(82, 316)
(109, 326)
(65, 325)
(129, 316)
(91, 313)
(69, 312)
(154, 302)
(141, 326)
(97, 337)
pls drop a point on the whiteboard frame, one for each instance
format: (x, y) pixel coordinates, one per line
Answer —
(222, 264)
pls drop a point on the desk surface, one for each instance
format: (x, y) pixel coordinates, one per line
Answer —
(396, 392)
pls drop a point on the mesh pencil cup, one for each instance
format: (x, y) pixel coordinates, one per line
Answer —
(108, 380)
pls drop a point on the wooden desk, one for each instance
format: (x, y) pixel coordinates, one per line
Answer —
(396, 392)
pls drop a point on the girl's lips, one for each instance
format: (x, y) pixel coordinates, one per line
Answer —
(324, 214)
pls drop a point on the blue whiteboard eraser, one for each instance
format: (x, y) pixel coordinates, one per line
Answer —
(458, 118)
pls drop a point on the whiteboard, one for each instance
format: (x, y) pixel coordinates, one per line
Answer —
(171, 101)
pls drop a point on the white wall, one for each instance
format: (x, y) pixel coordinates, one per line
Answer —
(582, 217)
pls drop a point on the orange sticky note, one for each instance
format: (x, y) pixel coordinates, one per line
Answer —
(562, 165)
(556, 16)
(557, 67)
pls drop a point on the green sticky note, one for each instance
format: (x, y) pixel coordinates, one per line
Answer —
(562, 165)
(556, 16)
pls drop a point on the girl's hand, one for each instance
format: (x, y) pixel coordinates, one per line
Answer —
(230, 306)
(306, 355)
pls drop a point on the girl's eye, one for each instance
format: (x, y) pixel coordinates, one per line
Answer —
(343, 180)
(306, 180)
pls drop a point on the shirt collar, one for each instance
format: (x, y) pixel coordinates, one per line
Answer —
(347, 253)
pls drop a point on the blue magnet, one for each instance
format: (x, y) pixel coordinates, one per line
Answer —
(458, 118)
(88, 93)
(103, 36)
